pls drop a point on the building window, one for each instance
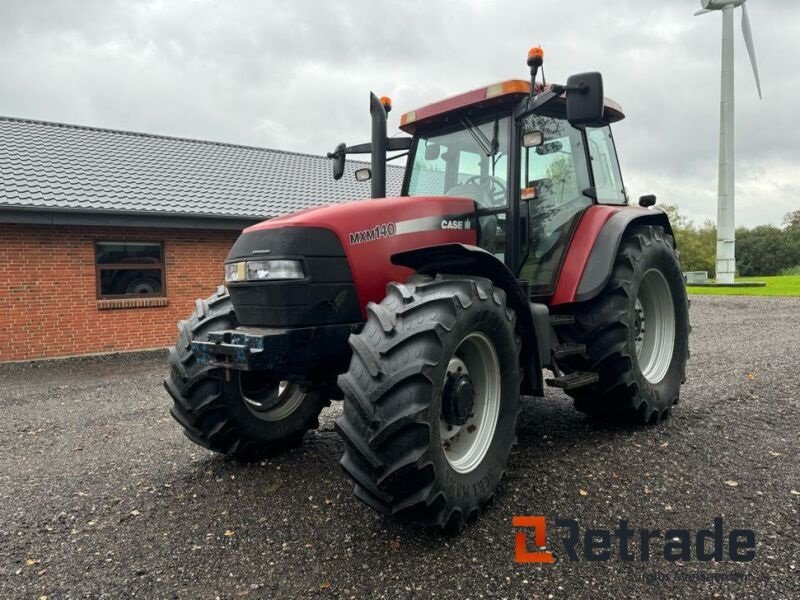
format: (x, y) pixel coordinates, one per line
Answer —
(129, 269)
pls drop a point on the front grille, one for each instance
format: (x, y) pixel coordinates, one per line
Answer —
(326, 296)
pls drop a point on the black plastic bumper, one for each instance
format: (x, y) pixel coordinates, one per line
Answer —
(305, 353)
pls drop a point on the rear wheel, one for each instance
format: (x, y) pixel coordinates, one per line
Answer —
(636, 333)
(241, 414)
(431, 400)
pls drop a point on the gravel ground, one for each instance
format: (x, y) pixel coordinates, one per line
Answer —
(102, 496)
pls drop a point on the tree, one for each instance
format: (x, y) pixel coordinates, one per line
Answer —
(760, 251)
(792, 220)
(764, 250)
(697, 244)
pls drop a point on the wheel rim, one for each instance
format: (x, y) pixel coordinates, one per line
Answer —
(465, 446)
(654, 326)
(273, 402)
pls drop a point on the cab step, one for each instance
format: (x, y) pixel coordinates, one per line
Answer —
(563, 350)
(573, 381)
(557, 320)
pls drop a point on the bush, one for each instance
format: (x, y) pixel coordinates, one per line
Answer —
(791, 271)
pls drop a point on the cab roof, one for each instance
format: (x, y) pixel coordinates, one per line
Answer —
(497, 94)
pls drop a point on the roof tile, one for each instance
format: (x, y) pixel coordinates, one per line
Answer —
(74, 167)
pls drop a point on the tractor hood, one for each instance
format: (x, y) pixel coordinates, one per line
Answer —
(365, 234)
(341, 217)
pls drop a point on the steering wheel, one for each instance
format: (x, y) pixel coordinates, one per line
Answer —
(495, 187)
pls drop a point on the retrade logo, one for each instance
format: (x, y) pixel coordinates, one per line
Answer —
(629, 544)
(521, 552)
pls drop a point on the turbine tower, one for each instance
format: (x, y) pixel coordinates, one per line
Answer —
(726, 222)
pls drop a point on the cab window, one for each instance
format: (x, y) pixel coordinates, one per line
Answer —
(469, 160)
(556, 175)
(605, 166)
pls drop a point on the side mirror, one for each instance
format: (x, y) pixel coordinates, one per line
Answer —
(432, 151)
(532, 139)
(338, 157)
(585, 102)
(363, 174)
(550, 148)
(647, 201)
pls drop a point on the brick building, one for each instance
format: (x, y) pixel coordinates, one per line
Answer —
(107, 237)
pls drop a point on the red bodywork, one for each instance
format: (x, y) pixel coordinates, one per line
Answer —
(370, 262)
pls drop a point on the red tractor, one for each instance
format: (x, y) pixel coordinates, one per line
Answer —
(511, 249)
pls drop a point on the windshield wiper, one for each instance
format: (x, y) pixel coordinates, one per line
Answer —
(496, 145)
(490, 147)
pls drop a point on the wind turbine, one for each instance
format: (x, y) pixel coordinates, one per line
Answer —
(726, 222)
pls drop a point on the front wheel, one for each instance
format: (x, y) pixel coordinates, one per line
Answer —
(431, 400)
(636, 333)
(239, 413)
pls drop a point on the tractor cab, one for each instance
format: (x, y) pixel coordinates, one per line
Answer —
(479, 144)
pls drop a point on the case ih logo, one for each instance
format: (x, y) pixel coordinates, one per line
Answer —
(375, 233)
(632, 544)
(456, 224)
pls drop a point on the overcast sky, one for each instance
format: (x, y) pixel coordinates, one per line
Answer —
(295, 75)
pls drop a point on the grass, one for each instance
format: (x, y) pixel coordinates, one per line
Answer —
(779, 285)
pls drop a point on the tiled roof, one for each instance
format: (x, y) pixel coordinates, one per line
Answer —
(53, 166)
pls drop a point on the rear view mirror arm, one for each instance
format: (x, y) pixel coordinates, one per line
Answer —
(392, 144)
(341, 151)
(529, 105)
(581, 88)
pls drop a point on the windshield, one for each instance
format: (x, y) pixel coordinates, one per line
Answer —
(469, 161)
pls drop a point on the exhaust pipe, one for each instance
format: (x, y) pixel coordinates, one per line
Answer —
(378, 115)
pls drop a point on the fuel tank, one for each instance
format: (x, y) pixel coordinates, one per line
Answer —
(346, 251)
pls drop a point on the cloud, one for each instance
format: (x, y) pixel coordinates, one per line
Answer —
(295, 75)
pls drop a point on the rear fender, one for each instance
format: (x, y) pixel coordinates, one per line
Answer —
(604, 253)
(587, 267)
(462, 259)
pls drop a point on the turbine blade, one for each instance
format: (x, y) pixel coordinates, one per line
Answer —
(702, 11)
(751, 50)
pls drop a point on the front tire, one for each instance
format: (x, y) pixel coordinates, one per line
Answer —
(636, 333)
(242, 415)
(431, 400)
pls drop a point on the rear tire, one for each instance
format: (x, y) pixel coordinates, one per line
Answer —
(422, 341)
(243, 416)
(636, 333)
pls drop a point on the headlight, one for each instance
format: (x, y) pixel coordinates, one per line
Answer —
(263, 270)
(258, 270)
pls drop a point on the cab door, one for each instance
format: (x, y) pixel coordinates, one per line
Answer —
(555, 176)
